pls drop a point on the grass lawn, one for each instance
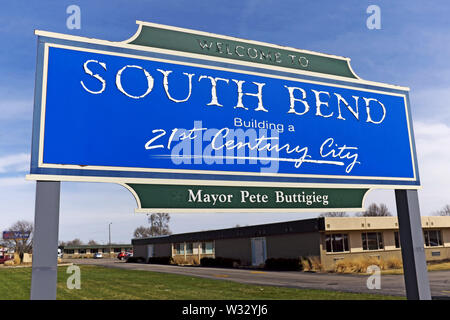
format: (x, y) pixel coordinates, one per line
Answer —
(107, 283)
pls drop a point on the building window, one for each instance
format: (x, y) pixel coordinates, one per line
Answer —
(179, 248)
(397, 239)
(432, 238)
(189, 248)
(372, 241)
(117, 250)
(207, 247)
(94, 250)
(69, 251)
(82, 251)
(337, 242)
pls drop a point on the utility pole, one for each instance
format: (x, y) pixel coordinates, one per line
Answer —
(109, 226)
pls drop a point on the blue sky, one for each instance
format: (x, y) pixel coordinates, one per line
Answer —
(412, 49)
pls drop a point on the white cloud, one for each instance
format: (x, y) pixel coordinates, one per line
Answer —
(433, 152)
(13, 182)
(431, 104)
(16, 109)
(14, 163)
(16, 200)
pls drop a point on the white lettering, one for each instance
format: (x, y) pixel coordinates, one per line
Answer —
(239, 104)
(96, 76)
(214, 101)
(369, 118)
(319, 103)
(293, 99)
(355, 113)
(147, 75)
(166, 84)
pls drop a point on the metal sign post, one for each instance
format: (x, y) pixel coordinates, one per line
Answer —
(412, 244)
(45, 241)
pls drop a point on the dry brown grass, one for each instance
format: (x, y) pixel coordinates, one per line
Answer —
(394, 263)
(311, 263)
(190, 260)
(359, 265)
(442, 266)
(195, 261)
(9, 263)
(178, 260)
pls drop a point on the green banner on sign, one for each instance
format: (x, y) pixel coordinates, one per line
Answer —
(165, 37)
(166, 197)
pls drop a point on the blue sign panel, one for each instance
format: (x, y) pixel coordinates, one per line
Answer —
(112, 112)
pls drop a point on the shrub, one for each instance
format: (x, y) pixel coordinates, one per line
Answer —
(306, 265)
(315, 263)
(207, 262)
(135, 260)
(160, 260)
(195, 261)
(283, 264)
(220, 262)
(9, 263)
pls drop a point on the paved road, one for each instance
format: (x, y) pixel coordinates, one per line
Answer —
(390, 284)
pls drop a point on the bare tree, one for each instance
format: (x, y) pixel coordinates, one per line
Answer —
(21, 245)
(75, 242)
(445, 211)
(375, 210)
(159, 224)
(143, 232)
(334, 214)
(92, 243)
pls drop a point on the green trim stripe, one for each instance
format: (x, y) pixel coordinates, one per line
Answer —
(179, 196)
(240, 50)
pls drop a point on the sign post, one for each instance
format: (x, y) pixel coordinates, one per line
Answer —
(45, 241)
(190, 121)
(412, 244)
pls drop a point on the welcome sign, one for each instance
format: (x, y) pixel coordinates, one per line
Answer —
(130, 113)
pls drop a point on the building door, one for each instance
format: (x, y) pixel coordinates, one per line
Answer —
(149, 251)
(258, 251)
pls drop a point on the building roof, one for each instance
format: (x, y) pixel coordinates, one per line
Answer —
(380, 223)
(97, 246)
(297, 226)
